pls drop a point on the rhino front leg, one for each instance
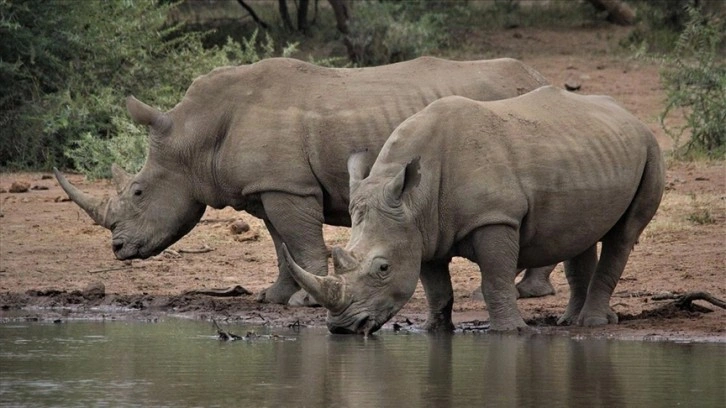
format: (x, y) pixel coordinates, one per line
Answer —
(536, 282)
(436, 281)
(297, 222)
(578, 271)
(496, 249)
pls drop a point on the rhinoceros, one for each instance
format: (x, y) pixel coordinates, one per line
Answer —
(523, 182)
(272, 138)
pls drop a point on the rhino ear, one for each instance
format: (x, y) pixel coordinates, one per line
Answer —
(146, 115)
(359, 166)
(407, 179)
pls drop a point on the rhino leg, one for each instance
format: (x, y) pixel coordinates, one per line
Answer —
(536, 282)
(579, 271)
(297, 222)
(436, 281)
(496, 249)
(596, 309)
(619, 241)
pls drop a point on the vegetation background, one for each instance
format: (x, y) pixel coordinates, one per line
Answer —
(66, 66)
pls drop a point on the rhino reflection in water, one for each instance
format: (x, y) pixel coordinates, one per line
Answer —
(272, 138)
(523, 182)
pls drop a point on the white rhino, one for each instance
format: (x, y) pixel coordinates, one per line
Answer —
(523, 182)
(272, 138)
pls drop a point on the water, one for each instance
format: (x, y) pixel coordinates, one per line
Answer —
(180, 363)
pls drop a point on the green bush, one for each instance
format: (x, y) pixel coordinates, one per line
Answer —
(694, 77)
(127, 142)
(659, 23)
(67, 67)
(384, 32)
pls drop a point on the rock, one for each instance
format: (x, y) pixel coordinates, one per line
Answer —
(239, 227)
(2, 190)
(572, 84)
(39, 187)
(95, 290)
(19, 187)
(61, 199)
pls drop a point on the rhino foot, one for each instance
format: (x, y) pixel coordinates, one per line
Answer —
(279, 294)
(565, 320)
(511, 325)
(592, 319)
(302, 298)
(438, 326)
(531, 289)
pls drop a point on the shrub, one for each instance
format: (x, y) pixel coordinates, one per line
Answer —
(126, 143)
(386, 32)
(67, 67)
(694, 77)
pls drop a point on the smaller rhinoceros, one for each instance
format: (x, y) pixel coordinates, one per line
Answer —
(522, 182)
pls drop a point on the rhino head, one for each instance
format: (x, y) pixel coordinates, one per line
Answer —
(152, 209)
(377, 273)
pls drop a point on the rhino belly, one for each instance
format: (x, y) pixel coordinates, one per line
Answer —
(568, 226)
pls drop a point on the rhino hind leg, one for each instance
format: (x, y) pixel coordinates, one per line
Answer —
(596, 309)
(619, 241)
(496, 249)
(536, 282)
(436, 281)
(579, 271)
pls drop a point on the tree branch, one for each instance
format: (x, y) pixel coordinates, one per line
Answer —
(253, 14)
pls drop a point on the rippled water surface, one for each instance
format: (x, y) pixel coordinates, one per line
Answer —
(180, 363)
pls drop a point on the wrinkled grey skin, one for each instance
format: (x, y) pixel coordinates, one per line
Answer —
(272, 139)
(524, 182)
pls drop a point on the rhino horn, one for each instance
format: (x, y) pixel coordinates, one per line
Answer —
(328, 290)
(144, 114)
(96, 208)
(120, 177)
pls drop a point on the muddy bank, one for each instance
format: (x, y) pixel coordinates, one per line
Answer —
(668, 322)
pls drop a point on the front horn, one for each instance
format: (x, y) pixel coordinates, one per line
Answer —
(328, 290)
(94, 207)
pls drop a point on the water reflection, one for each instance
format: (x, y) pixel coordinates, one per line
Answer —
(180, 363)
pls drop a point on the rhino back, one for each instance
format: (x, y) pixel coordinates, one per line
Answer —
(290, 126)
(530, 162)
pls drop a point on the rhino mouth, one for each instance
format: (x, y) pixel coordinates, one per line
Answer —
(364, 325)
(125, 249)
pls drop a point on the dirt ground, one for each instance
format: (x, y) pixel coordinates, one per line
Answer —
(55, 263)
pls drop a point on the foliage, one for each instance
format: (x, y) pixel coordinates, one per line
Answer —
(384, 32)
(694, 77)
(659, 24)
(67, 67)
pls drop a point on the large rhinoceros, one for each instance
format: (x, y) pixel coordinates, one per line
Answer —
(523, 182)
(272, 138)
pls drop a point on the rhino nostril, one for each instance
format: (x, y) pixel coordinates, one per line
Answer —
(362, 323)
(117, 245)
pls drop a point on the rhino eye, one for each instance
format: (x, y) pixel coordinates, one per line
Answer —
(137, 193)
(380, 268)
